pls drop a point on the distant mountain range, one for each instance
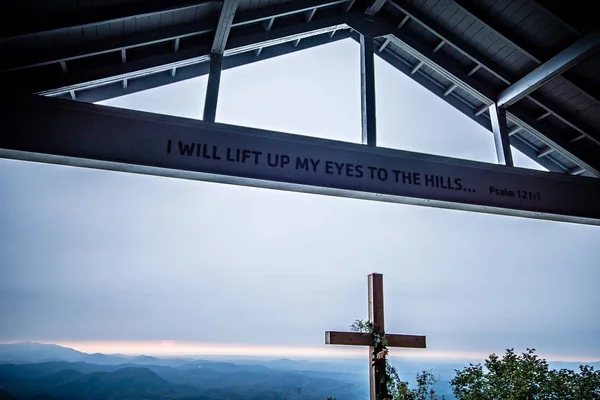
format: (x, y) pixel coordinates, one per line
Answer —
(51, 372)
(28, 352)
(40, 371)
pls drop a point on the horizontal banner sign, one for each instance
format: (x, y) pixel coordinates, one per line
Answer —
(73, 133)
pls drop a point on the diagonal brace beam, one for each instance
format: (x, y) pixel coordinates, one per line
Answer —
(558, 64)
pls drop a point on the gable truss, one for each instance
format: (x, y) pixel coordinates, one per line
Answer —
(407, 36)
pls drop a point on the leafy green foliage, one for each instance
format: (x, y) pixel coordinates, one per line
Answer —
(378, 358)
(424, 391)
(525, 376)
(361, 326)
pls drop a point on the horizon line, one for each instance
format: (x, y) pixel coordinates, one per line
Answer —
(173, 348)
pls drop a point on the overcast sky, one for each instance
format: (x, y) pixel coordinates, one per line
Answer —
(105, 257)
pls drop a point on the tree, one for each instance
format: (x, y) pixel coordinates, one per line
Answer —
(426, 381)
(524, 377)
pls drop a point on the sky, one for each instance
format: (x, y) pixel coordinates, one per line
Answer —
(117, 262)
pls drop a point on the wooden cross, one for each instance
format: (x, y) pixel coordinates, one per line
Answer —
(376, 318)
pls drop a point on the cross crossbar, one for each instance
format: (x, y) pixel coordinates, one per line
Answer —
(361, 339)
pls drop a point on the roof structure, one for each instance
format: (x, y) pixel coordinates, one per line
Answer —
(531, 63)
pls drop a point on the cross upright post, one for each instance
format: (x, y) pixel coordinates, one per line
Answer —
(376, 318)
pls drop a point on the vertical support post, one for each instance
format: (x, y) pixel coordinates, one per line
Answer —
(501, 137)
(212, 89)
(367, 91)
(376, 318)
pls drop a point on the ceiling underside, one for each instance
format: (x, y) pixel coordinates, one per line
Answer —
(467, 52)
